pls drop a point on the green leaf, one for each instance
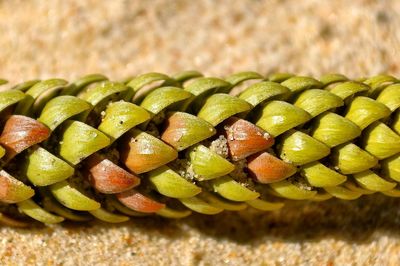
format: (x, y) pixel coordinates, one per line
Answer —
(349, 88)
(222, 203)
(10, 97)
(161, 98)
(392, 193)
(240, 77)
(350, 159)
(201, 88)
(363, 111)
(172, 213)
(332, 78)
(219, 107)
(103, 91)
(263, 91)
(321, 196)
(203, 85)
(89, 79)
(120, 117)
(232, 190)
(317, 101)
(49, 203)
(278, 117)
(354, 187)
(199, 205)
(299, 148)
(390, 97)
(370, 180)
(168, 183)
(318, 175)
(186, 75)
(38, 95)
(83, 82)
(141, 81)
(108, 217)
(263, 205)
(299, 83)
(72, 198)
(80, 141)
(279, 77)
(333, 129)
(208, 164)
(287, 190)
(26, 85)
(343, 193)
(61, 108)
(30, 208)
(379, 82)
(391, 167)
(381, 141)
(43, 168)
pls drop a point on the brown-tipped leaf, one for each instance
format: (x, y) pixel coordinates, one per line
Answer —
(266, 168)
(245, 138)
(107, 177)
(21, 132)
(139, 202)
(141, 152)
(12, 190)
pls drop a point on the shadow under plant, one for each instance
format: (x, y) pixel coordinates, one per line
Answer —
(351, 221)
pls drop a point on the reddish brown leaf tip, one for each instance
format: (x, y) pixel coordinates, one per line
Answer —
(245, 138)
(266, 168)
(109, 178)
(139, 202)
(174, 130)
(12, 190)
(142, 152)
(21, 132)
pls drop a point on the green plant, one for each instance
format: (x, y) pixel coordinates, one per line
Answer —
(160, 145)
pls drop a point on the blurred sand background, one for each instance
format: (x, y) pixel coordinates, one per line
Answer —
(67, 39)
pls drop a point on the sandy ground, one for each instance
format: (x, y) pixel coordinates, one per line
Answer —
(122, 38)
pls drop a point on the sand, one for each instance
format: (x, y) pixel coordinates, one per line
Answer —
(122, 38)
